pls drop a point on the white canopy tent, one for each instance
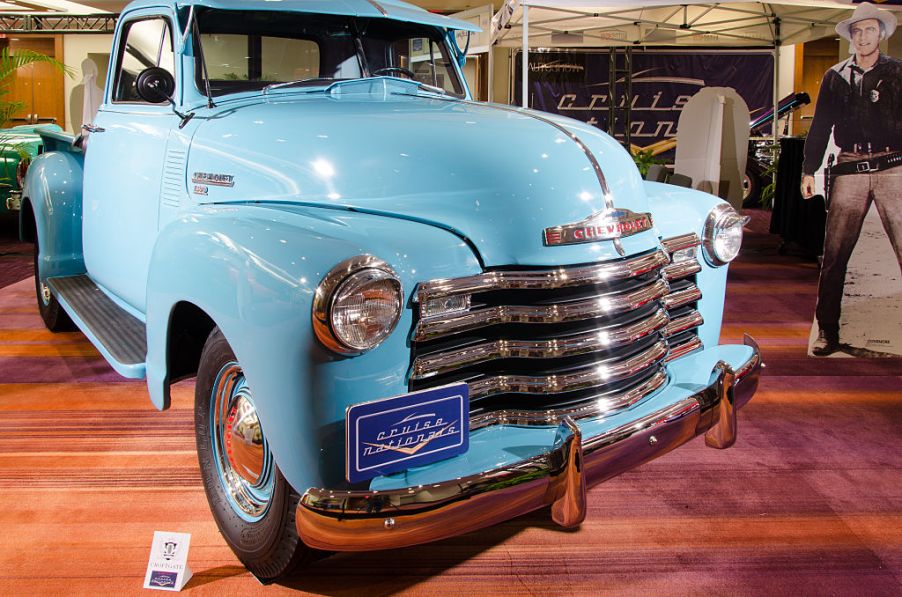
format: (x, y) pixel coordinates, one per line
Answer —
(659, 23)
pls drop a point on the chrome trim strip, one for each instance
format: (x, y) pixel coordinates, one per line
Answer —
(690, 320)
(678, 243)
(680, 350)
(595, 307)
(596, 408)
(675, 271)
(588, 377)
(682, 297)
(543, 279)
(595, 340)
(378, 7)
(603, 183)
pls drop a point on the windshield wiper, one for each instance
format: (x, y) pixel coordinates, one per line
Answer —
(432, 88)
(293, 83)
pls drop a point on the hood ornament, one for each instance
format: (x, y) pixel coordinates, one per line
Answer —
(609, 224)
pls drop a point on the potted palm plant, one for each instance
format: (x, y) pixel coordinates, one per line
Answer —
(18, 145)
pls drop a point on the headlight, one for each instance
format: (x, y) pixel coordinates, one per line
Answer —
(723, 235)
(357, 305)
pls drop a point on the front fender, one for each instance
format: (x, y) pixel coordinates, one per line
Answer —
(676, 211)
(53, 189)
(254, 270)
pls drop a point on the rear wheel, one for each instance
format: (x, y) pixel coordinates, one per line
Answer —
(252, 503)
(751, 188)
(55, 318)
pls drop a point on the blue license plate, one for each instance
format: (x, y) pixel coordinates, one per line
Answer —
(395, 434)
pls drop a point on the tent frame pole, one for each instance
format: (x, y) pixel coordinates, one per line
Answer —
(776, 121)
(525, 61)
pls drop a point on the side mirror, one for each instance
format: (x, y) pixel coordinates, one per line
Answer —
(155, 85)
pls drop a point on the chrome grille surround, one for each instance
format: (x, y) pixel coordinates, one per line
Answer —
(538, 345)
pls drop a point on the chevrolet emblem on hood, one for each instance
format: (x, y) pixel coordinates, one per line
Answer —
(610, 224)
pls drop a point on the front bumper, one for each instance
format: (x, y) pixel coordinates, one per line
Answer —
(369, 520)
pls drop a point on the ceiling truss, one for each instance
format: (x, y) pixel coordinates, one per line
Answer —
(33, 23)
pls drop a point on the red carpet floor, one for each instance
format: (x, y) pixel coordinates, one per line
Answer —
(808, 502)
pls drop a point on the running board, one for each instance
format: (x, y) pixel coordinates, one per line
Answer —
(117, 334)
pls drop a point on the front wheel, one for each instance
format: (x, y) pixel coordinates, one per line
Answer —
(252, 503)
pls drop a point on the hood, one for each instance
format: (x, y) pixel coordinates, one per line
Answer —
(495, 176)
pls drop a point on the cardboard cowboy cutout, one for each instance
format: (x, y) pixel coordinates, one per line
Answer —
(860, 105)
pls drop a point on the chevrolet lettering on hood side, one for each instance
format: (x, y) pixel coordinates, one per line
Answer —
(408, 314)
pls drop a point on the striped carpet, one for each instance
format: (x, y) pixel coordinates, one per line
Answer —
(809, 501)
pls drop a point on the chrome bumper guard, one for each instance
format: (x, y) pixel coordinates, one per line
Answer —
(370, 520)
(14, 201)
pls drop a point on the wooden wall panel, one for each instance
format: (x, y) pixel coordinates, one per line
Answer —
(811, 64)
(39, 86)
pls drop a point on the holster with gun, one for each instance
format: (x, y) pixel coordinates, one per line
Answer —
(828, 180)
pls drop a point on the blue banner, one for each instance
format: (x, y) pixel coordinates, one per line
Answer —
(575, 84)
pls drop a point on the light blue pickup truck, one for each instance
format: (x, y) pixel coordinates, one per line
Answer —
(409, 315)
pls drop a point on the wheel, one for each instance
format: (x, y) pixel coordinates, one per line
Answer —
(55, 317)
(251, 502)
(751, 188)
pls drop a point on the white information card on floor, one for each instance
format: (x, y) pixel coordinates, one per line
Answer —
(168, 568)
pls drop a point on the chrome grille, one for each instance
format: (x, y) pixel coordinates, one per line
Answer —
(535, 345)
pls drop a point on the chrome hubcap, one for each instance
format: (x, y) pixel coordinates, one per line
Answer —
(244, 463)
(45, 293)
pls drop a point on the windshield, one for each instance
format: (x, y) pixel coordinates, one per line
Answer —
(248, 50)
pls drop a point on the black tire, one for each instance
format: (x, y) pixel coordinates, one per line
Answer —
(751, 188)
(268, 545)
(55, 317)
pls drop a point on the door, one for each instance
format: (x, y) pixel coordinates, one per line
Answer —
(38, 86)
(124, 165)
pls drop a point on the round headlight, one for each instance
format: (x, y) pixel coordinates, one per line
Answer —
(357, 305)
(723, 235)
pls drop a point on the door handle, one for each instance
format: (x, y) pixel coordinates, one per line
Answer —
(92, 129)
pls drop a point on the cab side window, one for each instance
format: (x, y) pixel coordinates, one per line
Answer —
(147, 43)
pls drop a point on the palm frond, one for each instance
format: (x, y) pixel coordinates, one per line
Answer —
(10, 62)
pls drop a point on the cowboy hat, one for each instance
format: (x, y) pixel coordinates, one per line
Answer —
(866, 10)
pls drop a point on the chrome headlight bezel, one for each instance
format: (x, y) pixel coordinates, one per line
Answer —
(723, 219)
(362, 269)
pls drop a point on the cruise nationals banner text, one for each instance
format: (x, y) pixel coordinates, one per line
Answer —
(575, 84)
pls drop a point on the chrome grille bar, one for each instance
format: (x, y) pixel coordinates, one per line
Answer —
(592, 408)
(684, 348)
(678, 243)
(682, 297)
(689, 321)
(675, 271)
(681, 269)
(544, 279)
(544, 314)
(595, 340)
(587, 377)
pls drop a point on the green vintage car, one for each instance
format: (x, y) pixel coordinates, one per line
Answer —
(15, 144)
